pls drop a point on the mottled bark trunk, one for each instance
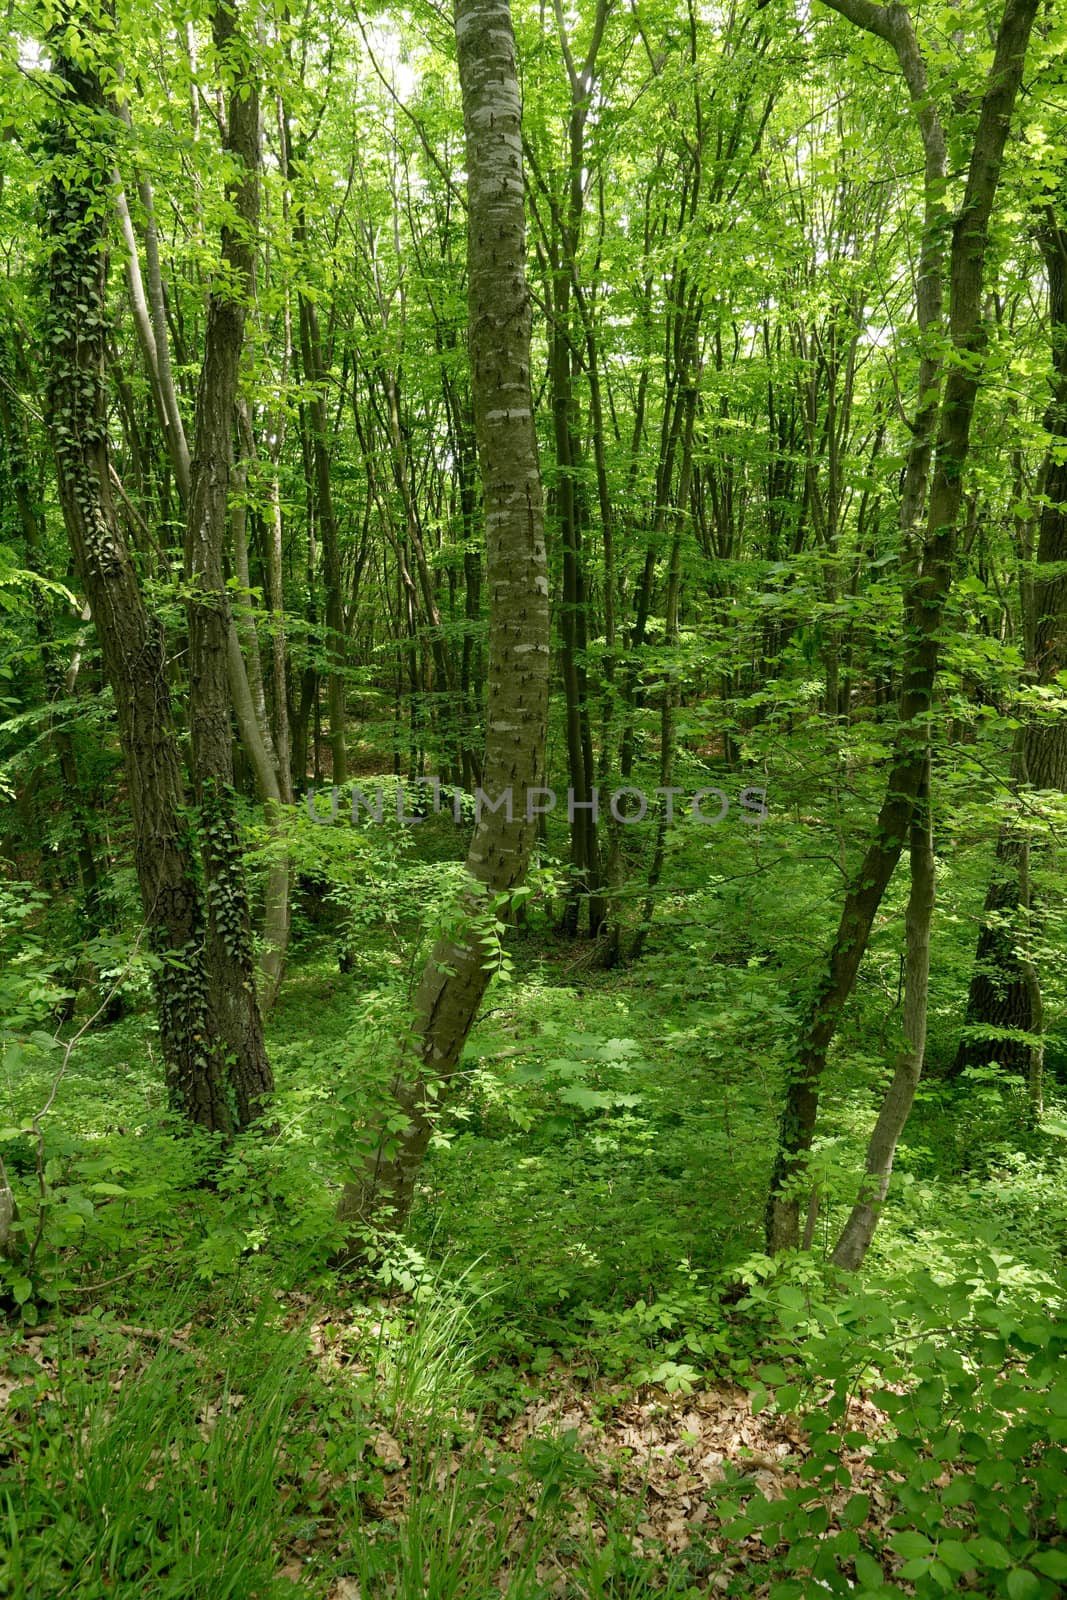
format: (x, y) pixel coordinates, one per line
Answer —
(928, 589)
(457, 972)
(231, 967)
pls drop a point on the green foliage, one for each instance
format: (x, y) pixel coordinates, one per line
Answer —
(155, 1480)
(969, 1378)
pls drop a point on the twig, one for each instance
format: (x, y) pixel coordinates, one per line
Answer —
(129, 1329)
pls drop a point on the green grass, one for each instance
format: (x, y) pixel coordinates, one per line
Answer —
(128, 1477)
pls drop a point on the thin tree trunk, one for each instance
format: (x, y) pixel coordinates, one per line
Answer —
(336, 644)
(267, 776)
(243, 667)
(457, 972)
(149, 318)
(858, 1231)
(927, 593)
(667, 715)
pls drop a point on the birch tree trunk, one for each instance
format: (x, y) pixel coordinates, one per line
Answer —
(457, 972)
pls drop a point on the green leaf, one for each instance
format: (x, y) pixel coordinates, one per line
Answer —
(989, 1552)
(1051, 1563)
(909, 1544)
(952, 1553)
(856, 1511)
(869, 1571)
(771, 1372)
(1023, 1584)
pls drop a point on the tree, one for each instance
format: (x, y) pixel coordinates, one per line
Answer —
(941, 436)
(458, 970)
(230, 964)
(206, 1079)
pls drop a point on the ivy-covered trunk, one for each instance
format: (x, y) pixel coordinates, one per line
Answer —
(75, 211)
(231, 963)
(459, 967)
(196, 1047)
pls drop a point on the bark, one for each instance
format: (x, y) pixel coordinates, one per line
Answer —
(245, 614)
(457, 972)
(244, 670)
(668, 708)
(269, 748)
(461, 435)
(9, 1216)
(76, 206)
(150, 321)
(930, 581)
(267, 776)
(858, 1231)
(423, 597)
(231, 967)
(669, 507)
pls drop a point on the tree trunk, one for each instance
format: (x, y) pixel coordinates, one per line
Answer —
(457, 972)
(927, 592)
(858, 1231)
(231, 968)
(314, 372)
(244, 668)
(131, 642)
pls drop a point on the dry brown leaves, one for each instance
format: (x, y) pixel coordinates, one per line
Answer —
(666, 1451)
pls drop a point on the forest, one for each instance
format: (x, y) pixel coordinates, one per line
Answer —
(533, 795)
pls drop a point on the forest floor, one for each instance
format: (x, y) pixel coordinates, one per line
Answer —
(579, 1378)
